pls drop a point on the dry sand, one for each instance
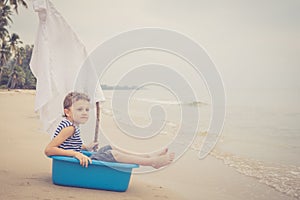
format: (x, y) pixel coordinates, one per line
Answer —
(25, 173)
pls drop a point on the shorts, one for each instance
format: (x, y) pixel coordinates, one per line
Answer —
(104, 154)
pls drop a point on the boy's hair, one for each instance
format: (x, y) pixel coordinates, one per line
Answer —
(73, 97)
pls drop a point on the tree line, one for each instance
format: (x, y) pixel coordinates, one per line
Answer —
(14, 55)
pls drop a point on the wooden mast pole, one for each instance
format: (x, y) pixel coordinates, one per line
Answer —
(97, 124)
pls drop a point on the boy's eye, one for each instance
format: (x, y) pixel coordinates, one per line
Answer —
(82, 109)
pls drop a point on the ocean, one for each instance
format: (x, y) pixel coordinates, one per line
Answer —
(260, 138)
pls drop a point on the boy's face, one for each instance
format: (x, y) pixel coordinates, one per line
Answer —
(78, 113)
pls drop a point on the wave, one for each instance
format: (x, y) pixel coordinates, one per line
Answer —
(283, 178)
(158, 101)
(168, 102)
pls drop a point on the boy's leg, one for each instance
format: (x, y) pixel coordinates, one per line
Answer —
(144, 155)
(156, 162)
(103, 154)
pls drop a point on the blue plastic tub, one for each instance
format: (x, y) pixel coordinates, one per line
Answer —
(99, 175)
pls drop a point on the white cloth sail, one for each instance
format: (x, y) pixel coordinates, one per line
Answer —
(57, 57)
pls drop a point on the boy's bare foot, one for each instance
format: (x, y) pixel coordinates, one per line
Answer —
(159, 153)
(163, 160)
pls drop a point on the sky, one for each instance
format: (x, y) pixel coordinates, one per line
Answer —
(254, 44)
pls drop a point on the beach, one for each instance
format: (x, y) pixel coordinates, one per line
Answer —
(25, 172)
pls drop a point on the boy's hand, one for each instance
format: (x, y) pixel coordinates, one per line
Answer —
(83, 159)
(92, 147)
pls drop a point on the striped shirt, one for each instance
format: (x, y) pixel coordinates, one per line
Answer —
(74, 142)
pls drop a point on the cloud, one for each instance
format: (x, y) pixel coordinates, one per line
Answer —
(248, 38)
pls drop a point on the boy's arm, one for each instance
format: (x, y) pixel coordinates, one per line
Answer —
(83, 147)
(52, 148)
(90, 147)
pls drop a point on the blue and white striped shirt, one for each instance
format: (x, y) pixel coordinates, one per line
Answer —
(74, 142)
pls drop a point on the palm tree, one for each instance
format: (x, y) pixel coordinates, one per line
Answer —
(16, 54)
(25, 54)
(5, 17)
(4, 22)
(4, 56)
(8, 43)
(14, 3)
(13, 43)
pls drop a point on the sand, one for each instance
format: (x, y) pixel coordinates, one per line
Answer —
(25, 172)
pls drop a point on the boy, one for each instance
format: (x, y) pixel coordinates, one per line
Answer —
(67, 141)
